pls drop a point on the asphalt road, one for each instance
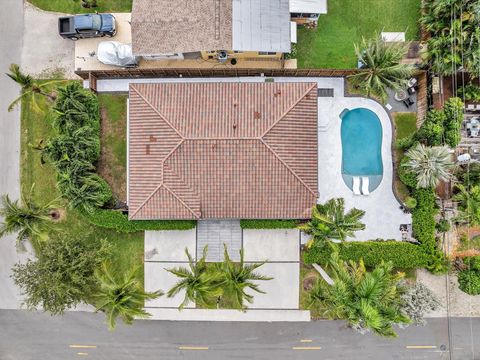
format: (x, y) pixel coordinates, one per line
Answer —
(11, 30)
(28, 336)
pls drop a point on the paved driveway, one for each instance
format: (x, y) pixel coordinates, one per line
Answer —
(44, 51)
(166, 250)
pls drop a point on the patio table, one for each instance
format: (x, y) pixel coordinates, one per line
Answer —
(400, 95)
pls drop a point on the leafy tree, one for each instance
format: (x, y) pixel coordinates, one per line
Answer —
(63, 275)
(200, 285)
(431, 131)
(121, 296)
(453, 110)
(468, 204)
(330, 222)
(237, 278)
(381, 68)
(367, 300)
(30, 88)
(27, 217)
(454, 26)
(419, 300)
(429, 164)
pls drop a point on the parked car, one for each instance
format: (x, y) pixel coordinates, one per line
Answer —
(86, 26)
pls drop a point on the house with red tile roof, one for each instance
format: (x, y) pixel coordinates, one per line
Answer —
(222, 150)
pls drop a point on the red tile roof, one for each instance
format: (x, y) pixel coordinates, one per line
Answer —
(222, 150)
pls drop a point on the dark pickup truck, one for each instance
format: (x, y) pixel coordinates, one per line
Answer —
(86, 26)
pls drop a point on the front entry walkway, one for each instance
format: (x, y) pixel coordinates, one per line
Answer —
(215, 233)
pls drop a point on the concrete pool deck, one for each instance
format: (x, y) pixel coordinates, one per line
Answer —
(383, 215)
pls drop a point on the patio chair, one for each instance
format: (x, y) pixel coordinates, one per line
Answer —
(365, 183)
(470, 107)
(406, 103)
(356, 185)
(411, 90)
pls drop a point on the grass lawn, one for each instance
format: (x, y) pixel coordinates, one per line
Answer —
(75, 6)
(112, 165)
(127, 248)
(308, 277)
(331, 44)
(405, 125)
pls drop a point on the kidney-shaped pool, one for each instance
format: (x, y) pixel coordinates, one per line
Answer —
(361, 133)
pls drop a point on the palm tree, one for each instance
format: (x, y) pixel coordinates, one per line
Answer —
(330, 222)
(366, 300)
(381, 67)
(430, 164)
(26, 217)
(468, 205)
(122, 297)
(199, 284)
(236, 278)
(29, 87)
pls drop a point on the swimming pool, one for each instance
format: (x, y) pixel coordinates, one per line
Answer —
(361, 134)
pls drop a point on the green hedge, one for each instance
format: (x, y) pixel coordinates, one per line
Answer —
(401, 254)
(118, 221)
(268, 224)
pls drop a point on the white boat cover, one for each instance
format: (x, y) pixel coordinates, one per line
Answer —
(115, 53)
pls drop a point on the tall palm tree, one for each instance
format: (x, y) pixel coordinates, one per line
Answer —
(381, 67)
(330, 222)
(237, 278)
(430, 164)
(468, 204)
(121, 296)
(366, 300)
(26, 217)
(29, 87)
(199, 284)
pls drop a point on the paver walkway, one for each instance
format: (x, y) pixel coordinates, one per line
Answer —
(215, 233)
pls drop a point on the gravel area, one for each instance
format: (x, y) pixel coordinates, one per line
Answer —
(460, 304)
(44, 52)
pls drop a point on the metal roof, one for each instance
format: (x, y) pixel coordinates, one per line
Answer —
(261, 25)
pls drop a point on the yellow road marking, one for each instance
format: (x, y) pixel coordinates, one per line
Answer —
(82, 354)
(193, 348)
(421, 347)
(306, 348)
(83, 346)
(306, 341)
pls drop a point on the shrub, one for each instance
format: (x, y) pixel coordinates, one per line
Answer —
(431, 131)
(268, 224)
(470, 92)
(453, 110)
(469, 282)
(423, 224)
(406, 176)
(118, 221)
(402, 254)
(443, 226)
(63, 275)
(410, 202)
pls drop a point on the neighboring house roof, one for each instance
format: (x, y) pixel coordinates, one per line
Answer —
(308, 6)
(261, 25)
(222, 150)
(165, 26)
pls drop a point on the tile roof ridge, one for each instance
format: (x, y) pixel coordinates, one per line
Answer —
(295, 103)
(156, 110)
(314, 192)
(172, 193)
(182, 202)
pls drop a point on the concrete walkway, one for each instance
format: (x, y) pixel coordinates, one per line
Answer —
(230, 315)
(216, 233)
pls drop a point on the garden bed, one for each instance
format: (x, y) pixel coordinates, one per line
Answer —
(128, 248)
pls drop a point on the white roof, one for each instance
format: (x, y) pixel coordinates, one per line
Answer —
(293, 32)
(308, 6)
(261, 25)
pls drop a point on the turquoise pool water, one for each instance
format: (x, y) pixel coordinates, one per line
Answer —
(361, 133)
